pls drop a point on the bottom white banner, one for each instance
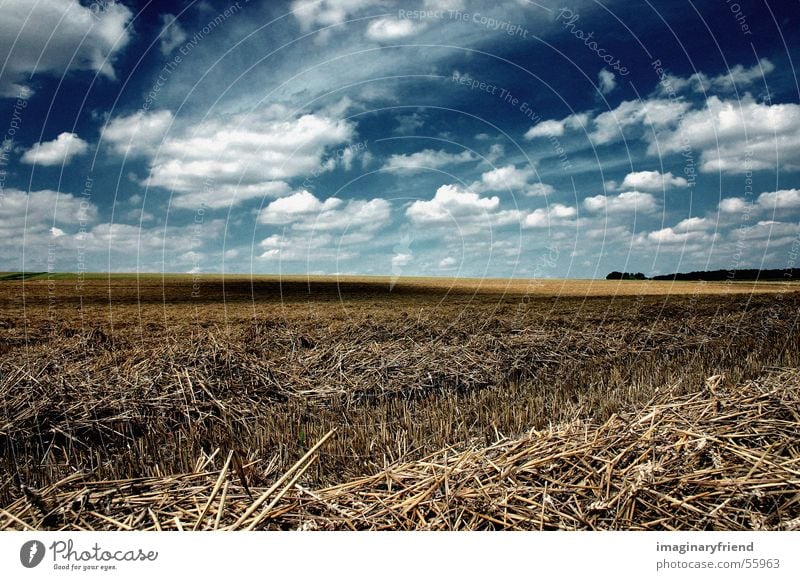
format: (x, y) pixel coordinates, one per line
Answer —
(399, 554)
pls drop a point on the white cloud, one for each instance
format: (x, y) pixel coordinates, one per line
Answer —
(694, 224)
(773, 231)
(62, 233)
(53, 36)
(389, 29)
(408, 124)
(734, 205)
(311, 13)
(308, 246)
(510, 178)
(401, 260)
(734, 136)
(172, 34)
(137, 215)
(555, 214)
(228, 160)
(366, 216)
(607, 81)
(629, 201)
(652, 181)
(453, 204)
(610, 126)
(471, 214)
(247, 149)
(40, 210)
(426, 159)
(61, 150)
(553, 128)
(496, 151)
(783, 199)
(673, 236)
(177, 240)
(305, 212)
(738, 136)
(448, 262)
(299, 205)
(540, 190)
(739, 78)
(139, 134)
(302, 247)
(226, 195)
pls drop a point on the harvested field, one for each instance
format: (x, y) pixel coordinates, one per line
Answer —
(318, 404)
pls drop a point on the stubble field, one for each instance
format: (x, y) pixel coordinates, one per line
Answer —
(202, 403)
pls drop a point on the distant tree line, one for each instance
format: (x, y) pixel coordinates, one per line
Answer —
(715, 275)
(626, 276)
(746, 274)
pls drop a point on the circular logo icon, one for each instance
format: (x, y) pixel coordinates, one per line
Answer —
(31, 553)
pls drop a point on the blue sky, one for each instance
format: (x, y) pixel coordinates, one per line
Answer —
(437, 138)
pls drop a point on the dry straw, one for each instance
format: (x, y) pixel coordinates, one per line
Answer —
(726, 457)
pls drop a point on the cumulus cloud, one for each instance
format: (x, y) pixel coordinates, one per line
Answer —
(299, 247)
(731, 135)
(737, 136)
(224, 195)
(61, 231)
(652, 181)
(172, 34)
(408, 124)
(607, 81)
(555, 214)
(783, 199)
(401, 260)
(59, 151)
(540, 190)
(326, 232)
(426, 159)
(674, 236)
(23, 212)
(554, 128)
(694, 224)
(453, 204)
(54, 36)
(688, 231)
(738, 78)
(448, 263)
(304, 212)
(231, 159)
(627, 202)
(734, 205)
(390, 29)
(246, 149)
(311, 13)
(363, 215)
(138, 134)
(296, 206)
(610, 126)
(509, 177)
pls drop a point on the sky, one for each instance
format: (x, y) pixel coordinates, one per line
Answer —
(548, 139)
